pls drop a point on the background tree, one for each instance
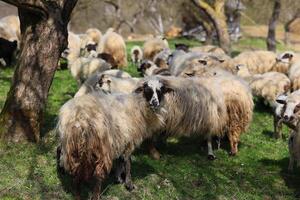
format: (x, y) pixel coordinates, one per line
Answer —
(44, 37)
(271, 39)
(216, 13)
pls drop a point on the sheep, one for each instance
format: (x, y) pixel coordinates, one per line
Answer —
(7, 50)
(82, 68)
(148, 68)
(10, 28)
(294, 75)
(287, 112)
(214, 107)
(109, 59)
(90, 84)
(259, 62)
(136, 54)
(114, 44)
(161, 58)
(153, 46)
(111, 84)
(94, 34)
(208, 49)
(95, 129)
(267, 85)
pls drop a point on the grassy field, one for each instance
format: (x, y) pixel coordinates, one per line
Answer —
(28, 171)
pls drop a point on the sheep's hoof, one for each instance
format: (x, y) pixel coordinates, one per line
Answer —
(130, 187)
(211, 157)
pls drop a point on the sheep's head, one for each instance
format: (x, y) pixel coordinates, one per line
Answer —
(104, 83)
(284, 60)
(153, 91)
(291, 107)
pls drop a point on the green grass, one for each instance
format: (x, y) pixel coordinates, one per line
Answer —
(28, 171)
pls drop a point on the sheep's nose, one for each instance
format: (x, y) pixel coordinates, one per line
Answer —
(154, 103)
(285, 117)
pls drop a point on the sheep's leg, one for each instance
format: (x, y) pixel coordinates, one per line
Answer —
(291, 163)
(97, 189)
(277, 127)
(76, 183)
(128, 181)
(210, 154)
(58, 154)
(154, 153)
(219, 142)
(120, 170)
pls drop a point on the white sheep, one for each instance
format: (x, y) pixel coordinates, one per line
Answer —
(153, 46)
(114, 44)
(294, 75)
(90, 84)
(95, 129)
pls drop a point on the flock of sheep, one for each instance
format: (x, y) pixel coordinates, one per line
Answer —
(187, 91)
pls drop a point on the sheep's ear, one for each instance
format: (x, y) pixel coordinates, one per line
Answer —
(281, 99)
(297, 108)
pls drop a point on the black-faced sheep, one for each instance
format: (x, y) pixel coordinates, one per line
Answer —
(96, 129)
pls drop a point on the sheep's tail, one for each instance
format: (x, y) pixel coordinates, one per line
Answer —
(84, 152)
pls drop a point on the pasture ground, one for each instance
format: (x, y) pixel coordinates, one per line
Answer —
(28, 171)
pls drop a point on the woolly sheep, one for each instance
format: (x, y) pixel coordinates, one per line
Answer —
(82, 68)
(210, 109)
(287, 112)
(148, 68)
(294, 76)
(153, 46)
(90, 84)
(161, 58)
(94, 34)
(136, 54)
(208, 49)
(10, 28)
(267, 85)
(114, 44)
(95, 129)
(259, 62)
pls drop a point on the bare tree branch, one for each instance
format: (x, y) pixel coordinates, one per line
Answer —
(32, 5)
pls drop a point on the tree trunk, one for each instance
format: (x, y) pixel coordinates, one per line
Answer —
(218, 18)
(271, 40)
(44, 37)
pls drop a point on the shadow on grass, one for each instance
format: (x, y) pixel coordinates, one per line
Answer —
(292, 179)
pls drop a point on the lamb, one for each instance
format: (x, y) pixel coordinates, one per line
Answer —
(7, 50)
(210, 111)
(82, 68)
(90, 85)
(136, 54)
(95, 129)
(148, 68)
(153, 46)
(267, 85)
(114, 44)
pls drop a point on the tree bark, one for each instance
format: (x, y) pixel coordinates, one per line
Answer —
(271, 39)
(44, 37)
(217, 15)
